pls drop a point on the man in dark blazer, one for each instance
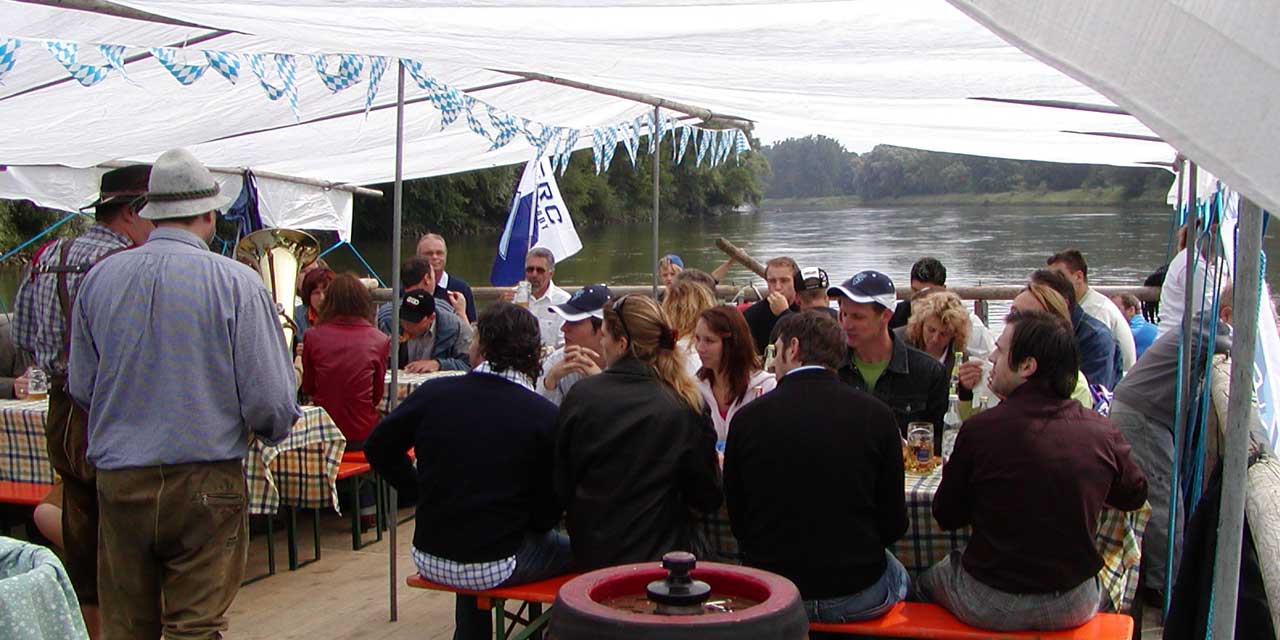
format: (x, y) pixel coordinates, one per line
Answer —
(815, 493)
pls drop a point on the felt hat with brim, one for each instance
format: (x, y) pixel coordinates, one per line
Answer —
(181, 187)
(121, 185)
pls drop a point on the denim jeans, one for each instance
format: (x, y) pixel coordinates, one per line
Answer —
(540, 556)
(872, 602)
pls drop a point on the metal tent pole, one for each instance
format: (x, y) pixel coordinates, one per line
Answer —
(397, 208)
(654, 143)
(1185, 366)
(1226, 575)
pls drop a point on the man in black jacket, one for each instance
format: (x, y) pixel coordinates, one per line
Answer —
(789, 453)
(910, 381)
(783, 276)
(486, 512)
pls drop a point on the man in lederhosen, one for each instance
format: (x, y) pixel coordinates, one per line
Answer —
(42, 327)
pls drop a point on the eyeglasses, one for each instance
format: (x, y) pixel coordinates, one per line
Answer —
(617, 307)
(532, 269)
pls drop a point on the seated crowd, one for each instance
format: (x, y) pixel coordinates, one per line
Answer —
(637, 420)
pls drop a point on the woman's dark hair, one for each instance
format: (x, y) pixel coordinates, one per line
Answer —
(1050, 340)
(510, 339)
(738, 356)
(316, 279)
(345, 296)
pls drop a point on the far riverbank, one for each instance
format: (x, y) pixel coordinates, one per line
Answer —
(1111, 197)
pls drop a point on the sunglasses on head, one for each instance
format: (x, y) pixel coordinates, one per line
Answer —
(617, 307)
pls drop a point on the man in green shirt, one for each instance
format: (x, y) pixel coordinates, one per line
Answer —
(911, 382)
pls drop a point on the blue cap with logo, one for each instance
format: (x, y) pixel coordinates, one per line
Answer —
(867, 287)
(587, 302)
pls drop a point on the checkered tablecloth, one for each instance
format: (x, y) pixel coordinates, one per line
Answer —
(300, 471)
(24, 456)
(406, 383)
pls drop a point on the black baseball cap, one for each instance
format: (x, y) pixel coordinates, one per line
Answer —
(868, 287)
(587, 302)
(416, 305)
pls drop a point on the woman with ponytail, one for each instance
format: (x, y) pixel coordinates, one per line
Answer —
(635, 449)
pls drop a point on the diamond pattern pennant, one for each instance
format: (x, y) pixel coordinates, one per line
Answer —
(8, 54)
(629, 141)
(185, 74)
(685, 134)
(504, 129)
(67, 53)
(566, 151)
(226, 64)
(286, 67)
(346, 75)
(377, 67)
(703, 141)
(608, 145)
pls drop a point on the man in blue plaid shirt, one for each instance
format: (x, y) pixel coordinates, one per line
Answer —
(41, 326)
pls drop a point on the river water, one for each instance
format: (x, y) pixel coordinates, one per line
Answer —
(978, 245)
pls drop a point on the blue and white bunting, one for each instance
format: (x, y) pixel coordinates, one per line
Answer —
(377, 67)
(473, 122)
(185, 74)
(345, 76)
(726, 144)
(114, 55)
(67, 54)
(504, 129)
(447, 100)
(286, 67)
(742, 145)
(703, 141)
(8, 54)
(608, 146)
(566, 150)
(685, 134)
(637, 130)
(225, 63)
(629, 141)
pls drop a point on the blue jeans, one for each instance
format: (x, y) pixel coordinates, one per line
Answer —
(872, 602)
(540, 556)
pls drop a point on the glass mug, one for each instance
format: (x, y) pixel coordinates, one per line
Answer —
(920, 447)
(37, 384)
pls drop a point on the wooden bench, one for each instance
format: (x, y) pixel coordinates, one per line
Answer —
(23, 493)
(920, 620)
(533, 595)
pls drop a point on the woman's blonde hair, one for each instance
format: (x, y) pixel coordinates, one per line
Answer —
(652, 340)
(684, 302)
(1051, 300)
(948, 309)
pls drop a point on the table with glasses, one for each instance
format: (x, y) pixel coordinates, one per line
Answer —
(300, 471)
(407, 383)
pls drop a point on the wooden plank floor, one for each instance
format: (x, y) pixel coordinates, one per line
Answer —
(344, 595)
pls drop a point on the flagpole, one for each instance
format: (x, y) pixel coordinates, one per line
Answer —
(654, 143)
(397, 207)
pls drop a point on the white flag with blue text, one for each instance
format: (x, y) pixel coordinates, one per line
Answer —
(538, 218)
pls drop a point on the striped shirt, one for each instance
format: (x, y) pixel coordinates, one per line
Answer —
(38, 323)
(178, 354)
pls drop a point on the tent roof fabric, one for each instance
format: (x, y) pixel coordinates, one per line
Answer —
(863, 72)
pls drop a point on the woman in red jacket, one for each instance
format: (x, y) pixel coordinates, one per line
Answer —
(344, 359)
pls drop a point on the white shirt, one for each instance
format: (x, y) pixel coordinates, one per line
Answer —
(689, 354)
(548, 322)
(1102, 308)
(981, 344)
(443, 280)
(1174, 290)
(760, 383)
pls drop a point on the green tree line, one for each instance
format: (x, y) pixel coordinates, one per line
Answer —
(478, 200)
(816, 166)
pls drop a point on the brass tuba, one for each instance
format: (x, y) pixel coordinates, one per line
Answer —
(279, 255)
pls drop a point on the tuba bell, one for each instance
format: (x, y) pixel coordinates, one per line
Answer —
(279, 255)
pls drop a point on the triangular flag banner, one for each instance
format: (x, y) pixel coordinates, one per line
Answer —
(477, 127)
(608, 146)
(8, 54)
(185, 74)
(377, 67)
(655, 127)
(637, 131)
(504, 127)
(683, 145)
(445, 99)
(286, 70)
(566, 153)
(702, 139)
(226, 64)
(596, 154)
(743, 144)
(629, 141)
(114, 55)
(66, 53)
(726, 145)
(346, 75)
(529, 135)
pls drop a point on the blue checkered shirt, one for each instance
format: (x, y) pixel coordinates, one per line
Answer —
(39, 323)
(476, 576)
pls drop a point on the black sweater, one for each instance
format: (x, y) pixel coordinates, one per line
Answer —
(632, 461)
(484, 447)
(814, 483)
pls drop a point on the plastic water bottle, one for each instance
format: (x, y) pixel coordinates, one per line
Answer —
(952, 418)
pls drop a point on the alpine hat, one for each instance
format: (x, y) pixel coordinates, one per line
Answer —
(180, 187)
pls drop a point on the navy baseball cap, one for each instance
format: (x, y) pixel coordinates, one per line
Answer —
(416, 305)
(868, 287)
(587, 302)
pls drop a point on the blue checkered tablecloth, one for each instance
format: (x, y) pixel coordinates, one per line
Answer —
(300, 471)
(406, 383)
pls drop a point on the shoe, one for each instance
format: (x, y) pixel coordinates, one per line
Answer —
(368, 522)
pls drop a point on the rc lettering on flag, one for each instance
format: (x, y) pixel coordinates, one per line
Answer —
(538, 218)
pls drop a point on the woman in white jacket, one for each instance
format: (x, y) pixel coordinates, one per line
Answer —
(731, 375)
